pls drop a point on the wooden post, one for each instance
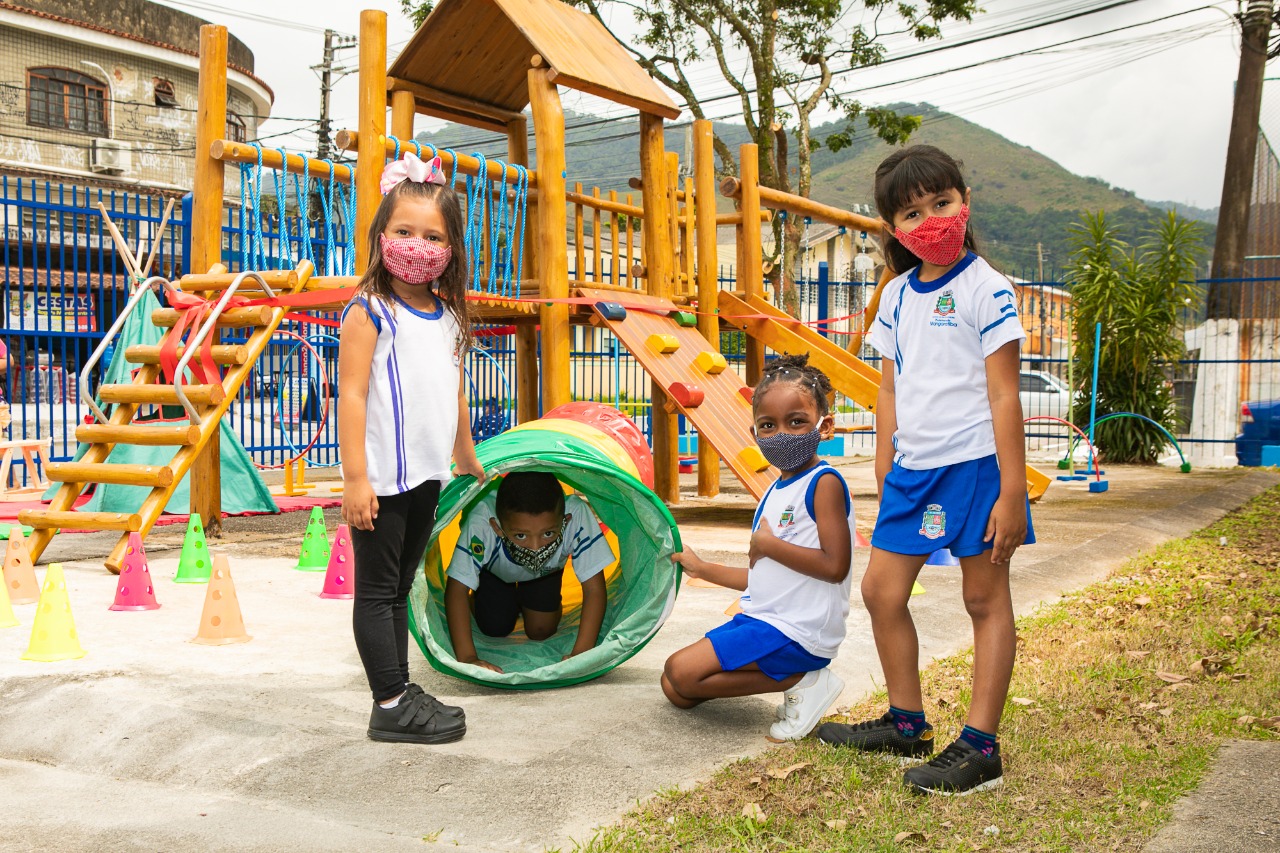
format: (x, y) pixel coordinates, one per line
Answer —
(526, 335)
(579, 238)
(751, 268)
(616, 277)
(704, 211)
(659, 264)
(553, 265)
(206, 241)
(403, 111)
(371, 128)
(596, 253)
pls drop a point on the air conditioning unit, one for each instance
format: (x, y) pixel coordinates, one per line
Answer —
(110, 155)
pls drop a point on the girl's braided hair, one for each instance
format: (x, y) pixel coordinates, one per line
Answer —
(796, 369)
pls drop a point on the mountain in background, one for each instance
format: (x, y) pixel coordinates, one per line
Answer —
(1024, 203)
(1207, 215)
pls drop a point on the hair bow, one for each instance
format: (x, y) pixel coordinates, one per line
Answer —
(410, 168)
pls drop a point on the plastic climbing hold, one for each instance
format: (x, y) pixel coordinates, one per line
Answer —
(753, 458)
(748, 393)
(710, 362)
(662, 343)
(684, 318)
(611, 311)
(688, 395)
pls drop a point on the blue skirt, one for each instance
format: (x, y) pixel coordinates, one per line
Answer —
(948, 507)
(747, 640)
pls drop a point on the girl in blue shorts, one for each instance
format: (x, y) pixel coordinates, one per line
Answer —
(798, 583)
(950, 464)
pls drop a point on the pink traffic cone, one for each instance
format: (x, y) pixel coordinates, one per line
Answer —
(134, 590)
(339, 580)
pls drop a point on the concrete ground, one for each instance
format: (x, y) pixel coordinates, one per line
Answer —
(154, 743)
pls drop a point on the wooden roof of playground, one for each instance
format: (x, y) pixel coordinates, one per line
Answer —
(470, 59)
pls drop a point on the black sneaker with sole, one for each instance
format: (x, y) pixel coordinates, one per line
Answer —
(417, 719)
(412, 690)
(958, 770)
(878, 736)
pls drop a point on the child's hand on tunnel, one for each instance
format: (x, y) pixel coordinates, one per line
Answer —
(690, 562)
(484, 664)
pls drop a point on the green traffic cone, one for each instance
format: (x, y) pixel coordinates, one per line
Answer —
(315, 544)
(194, 564)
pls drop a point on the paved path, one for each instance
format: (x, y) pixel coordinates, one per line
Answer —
(152, 743)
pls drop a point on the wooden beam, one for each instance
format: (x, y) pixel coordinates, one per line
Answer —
(615, 95)
(704, 211)
(801, 206)
(750, 271)
(237, 152)
(459, 117)
(553, 265)
(349, 140)
(372, 124)
(426, 95)
(403, 110)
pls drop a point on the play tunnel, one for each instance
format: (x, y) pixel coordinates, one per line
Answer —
(598, 452)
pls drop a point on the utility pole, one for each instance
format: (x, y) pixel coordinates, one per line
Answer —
(333, 42)
(1242, 145)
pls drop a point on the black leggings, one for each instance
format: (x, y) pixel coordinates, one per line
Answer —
(387, 559)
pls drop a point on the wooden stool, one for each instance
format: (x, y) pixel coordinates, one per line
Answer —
(33, 450)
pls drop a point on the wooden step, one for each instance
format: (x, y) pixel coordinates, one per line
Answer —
(232, 318)
(182, 435)
(71, 520)
(106, 472)
(162, 395)
(277, 280)
(222, 353)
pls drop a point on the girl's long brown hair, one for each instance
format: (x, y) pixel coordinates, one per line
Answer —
(452, 286)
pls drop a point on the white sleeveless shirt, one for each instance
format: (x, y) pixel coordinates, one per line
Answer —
(808, 610)
(412, 415)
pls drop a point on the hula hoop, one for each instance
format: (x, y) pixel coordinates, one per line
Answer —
(324, 415)
(1176, 446)
(1093, 453)
(506, 385)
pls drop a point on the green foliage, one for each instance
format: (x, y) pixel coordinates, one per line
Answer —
(1135, 293)
(416, 12)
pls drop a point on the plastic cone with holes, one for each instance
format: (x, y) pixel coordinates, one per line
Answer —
(53, 633)
(221, 622)
(19, 573)
(340, 579)
(314, 556)
(195, 564)
(7, 619)
(134, 590)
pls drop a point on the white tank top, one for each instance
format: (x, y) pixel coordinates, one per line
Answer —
(810, 611)
(412, 415)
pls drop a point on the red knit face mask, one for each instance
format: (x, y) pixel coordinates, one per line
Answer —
(939, 240)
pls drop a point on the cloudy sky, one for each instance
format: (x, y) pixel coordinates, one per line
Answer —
(1145, 106)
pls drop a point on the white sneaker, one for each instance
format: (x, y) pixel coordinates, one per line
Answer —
(806, 705)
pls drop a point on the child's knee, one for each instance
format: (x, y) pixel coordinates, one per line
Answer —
(491, 627)
(879, 599)
(538, 633)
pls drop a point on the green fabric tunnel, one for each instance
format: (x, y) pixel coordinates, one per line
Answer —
(641, 587)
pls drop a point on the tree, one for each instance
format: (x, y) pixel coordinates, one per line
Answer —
(793, 49)
(1135, 293)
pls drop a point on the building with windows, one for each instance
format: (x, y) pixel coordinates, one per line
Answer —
(103, 92)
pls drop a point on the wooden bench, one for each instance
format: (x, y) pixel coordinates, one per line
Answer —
(35, 451)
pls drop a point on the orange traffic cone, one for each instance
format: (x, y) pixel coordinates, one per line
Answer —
(19, 574)
(134, 590)
(859, 540)
(7, 619)
(53, 634)
(221, 622)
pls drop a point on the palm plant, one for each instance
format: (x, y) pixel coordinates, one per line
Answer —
(1135, 293)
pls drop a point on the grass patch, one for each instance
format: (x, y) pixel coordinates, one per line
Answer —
(1121, 695)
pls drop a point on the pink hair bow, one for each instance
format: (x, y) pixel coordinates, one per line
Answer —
(410, 168)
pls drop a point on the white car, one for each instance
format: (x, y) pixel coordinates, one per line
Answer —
(1042, 393)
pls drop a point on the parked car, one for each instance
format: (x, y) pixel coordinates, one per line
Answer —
(1042, 393)
(1259, 427)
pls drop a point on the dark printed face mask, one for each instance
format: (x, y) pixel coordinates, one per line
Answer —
(788, 451)
(533, 560)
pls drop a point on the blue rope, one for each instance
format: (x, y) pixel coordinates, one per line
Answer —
(349, 225)
(305, 250)
(280, 177)
(397, 142)
(497, 229)
(453, 165)
(522, 199)
(417, 148)
(434, 152)
(258, 257)
(328, 221)
(244, 211)
(478, 190)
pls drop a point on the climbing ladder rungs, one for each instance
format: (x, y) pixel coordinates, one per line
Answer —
(232, 318)
(71, 520)
(162, 395)
(277, 280)
(105, 472)
(222, 354)
(169, 436)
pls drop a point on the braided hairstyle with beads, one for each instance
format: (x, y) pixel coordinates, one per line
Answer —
(797, 370)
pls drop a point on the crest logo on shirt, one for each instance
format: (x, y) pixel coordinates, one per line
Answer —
(934, 525)
(788, 517)
(944, 312)
(477, 548)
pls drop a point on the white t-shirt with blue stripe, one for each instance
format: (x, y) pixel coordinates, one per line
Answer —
(480, 550)
(412, 415)
(939, 334)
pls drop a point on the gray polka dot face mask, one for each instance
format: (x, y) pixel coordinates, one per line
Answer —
(788, 451)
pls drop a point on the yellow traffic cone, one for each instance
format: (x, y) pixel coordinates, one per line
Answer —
(53, 633)
(19, 574)
(221, 622)
(916, 589)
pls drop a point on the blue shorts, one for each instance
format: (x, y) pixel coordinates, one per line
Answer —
(948, 507)
(747, 640)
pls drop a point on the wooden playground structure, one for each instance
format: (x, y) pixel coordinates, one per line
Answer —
(481, 64)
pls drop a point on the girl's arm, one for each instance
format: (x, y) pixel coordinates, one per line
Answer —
(886, 424)
(355, 360)
(1007, 525)
(830, 561)
(595, 595)
(716, 573)
(464, 446)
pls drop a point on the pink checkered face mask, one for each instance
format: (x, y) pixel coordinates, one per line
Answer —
(414, 260)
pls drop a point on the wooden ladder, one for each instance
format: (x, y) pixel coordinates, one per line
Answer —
(209, 402)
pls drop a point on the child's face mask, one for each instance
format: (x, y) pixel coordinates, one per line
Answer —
(533, 560)
(939, 240)
(414, 260)
(789, 451)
